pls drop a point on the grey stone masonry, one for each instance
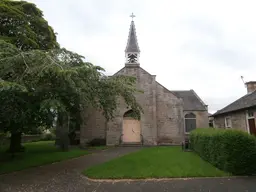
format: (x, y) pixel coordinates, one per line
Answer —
(147, 100)
(169, 116)
(238, 120)
(162, 120)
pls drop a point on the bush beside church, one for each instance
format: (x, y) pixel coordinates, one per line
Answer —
(232, 151)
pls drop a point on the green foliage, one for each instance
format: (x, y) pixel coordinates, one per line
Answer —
(22, 24)
(65, 81)
(22, 27)
(36, 131)
(39, 81)
(112, 89)
(57, 81)
(233, 151)
(48, 137)
(20, 110)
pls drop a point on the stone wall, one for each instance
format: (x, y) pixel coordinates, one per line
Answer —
(169, 116)
(147, 100)
(93, 125)
(24, 139)
(238, 120)
(202, 119)
(162, 120)
(219, 122)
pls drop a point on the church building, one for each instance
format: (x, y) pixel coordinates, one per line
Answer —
(169, 115)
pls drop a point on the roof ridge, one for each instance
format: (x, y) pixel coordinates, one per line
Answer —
(223, 109)
(198, 97)
(234, 101)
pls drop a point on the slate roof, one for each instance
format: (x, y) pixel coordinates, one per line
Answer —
(132, 43)
(247, 101)
(191, 100)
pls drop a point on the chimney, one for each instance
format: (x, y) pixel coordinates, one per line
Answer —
(251, 86)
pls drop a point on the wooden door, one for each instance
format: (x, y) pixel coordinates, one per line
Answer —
(252, 126)
(131, 130)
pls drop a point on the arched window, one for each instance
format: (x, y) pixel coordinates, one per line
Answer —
(190, 122)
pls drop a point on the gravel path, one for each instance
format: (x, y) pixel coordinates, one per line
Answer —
(66, 177)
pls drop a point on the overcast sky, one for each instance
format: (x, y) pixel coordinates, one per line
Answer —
(201, 45)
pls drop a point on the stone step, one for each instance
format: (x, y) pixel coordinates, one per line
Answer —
(131, 144)
(169, 144)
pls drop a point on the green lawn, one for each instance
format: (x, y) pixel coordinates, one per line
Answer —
(156, 162)
(36, 154)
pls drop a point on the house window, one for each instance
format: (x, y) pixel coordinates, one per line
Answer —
(228, 122)
(190, 122)
(250, 113)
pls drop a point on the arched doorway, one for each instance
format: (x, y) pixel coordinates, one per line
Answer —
(131, 128)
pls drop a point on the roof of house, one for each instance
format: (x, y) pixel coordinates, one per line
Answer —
(132, 43)
(191, 100)
(247, 101)
(250, 82)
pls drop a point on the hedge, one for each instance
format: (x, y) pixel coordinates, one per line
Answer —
(232, 151)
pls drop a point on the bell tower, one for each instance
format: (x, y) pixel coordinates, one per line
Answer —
(132, 51)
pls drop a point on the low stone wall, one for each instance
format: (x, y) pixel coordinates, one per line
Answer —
(170, 140)
(25, 139)
(29, 138)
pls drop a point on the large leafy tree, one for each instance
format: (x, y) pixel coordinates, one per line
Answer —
(38, 80)
(61, 81)
(22, 24)
(20, 111)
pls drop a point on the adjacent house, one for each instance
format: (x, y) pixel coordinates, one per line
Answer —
(240, 114)
(168, 115)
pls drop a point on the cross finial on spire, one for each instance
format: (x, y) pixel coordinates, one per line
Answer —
(132, 16)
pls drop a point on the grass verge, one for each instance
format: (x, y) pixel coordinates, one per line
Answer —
(155, 162)
(38, 153)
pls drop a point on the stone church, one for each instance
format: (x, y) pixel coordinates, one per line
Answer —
(168, 115)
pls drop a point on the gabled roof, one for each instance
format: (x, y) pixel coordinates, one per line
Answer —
(247, 101)
(191, 100)
(132, 43)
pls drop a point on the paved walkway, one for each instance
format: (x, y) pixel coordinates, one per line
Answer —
(66, 177)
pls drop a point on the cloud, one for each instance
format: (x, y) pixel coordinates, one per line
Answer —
(200, 45)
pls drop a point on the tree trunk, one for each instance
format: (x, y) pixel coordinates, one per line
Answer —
(15, 143)
(62, 131)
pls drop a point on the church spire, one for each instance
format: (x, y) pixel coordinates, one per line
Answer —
(132, 50)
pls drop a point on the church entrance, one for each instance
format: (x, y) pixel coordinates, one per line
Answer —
(131, 128)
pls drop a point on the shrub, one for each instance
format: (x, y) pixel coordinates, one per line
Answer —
(233, 151)
(30, 138)
(97, 142)
(47, 137)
